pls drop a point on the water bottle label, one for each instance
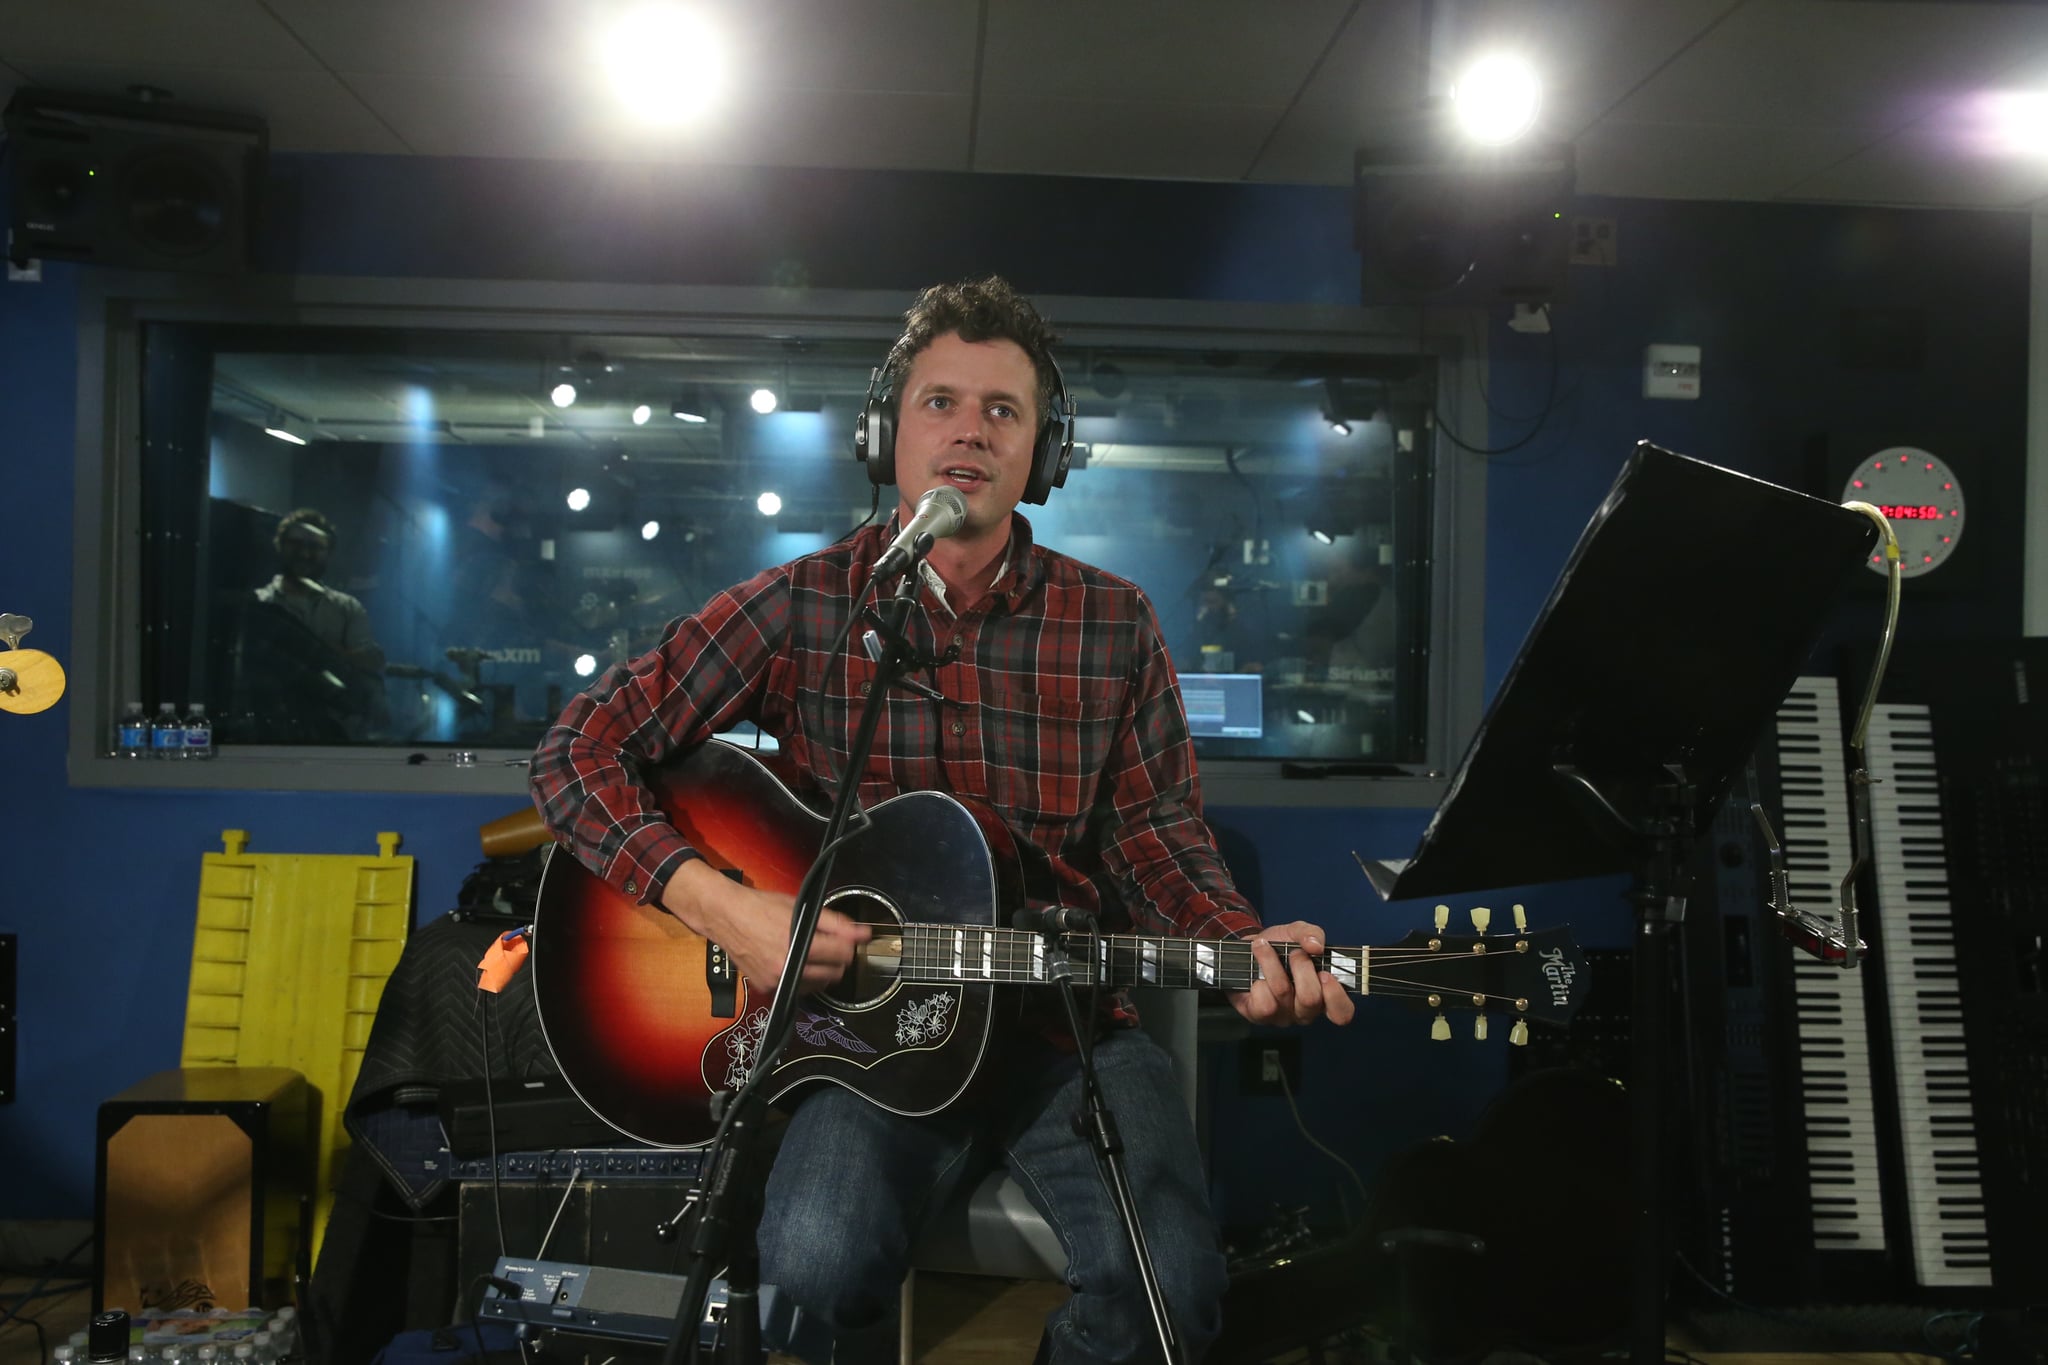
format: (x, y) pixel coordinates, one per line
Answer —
(135, 736)
(170, 739)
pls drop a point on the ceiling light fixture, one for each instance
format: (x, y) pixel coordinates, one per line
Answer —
(762, 401)
(649, 530)
(664, 64)
(578, 499)
(641, 414)
(1497, 99)
(563, 394)
(281, 434)
(769, 503)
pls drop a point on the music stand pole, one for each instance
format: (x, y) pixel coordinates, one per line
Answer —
(1663, 842)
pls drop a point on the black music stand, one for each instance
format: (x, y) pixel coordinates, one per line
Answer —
(1687, 609)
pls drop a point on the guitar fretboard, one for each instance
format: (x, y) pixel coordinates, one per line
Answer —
(951, 952)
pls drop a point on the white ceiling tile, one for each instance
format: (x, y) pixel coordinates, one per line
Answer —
(1195, 51)
(1825, 63)
(825, 44)
(1699, 161)
(873, 131)
(515, 117)
(160, 34)
(306, 111)
(1927, 166)
(1111, 137)
(1374, 61)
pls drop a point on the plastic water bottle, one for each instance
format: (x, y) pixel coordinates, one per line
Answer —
(131, 732)
(266, 1349)
(64, 1355)
(108, 1338)
(167, 733)
(198, 732)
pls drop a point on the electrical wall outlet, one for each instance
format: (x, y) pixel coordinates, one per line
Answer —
(1593, 242)
(1263, 1062)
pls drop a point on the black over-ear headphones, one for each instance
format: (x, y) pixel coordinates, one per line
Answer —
(874, 436)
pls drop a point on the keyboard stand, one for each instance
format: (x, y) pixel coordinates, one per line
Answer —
(1677, 626)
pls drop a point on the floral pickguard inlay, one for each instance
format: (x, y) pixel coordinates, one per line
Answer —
(924, 1021)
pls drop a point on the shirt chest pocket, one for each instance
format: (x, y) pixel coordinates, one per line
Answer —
(1045, 752)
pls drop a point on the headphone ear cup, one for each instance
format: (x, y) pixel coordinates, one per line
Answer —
(874, 441)
(1046, 473)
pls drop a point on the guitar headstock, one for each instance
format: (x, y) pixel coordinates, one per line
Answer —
(1528, 974)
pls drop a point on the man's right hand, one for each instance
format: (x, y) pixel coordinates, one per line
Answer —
(753, 927)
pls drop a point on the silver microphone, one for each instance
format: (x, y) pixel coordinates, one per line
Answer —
(940, 513)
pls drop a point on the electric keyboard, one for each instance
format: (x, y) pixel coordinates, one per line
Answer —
(1944, 1191)
(1836, 1094)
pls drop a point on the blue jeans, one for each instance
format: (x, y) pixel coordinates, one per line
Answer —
(853, 1182)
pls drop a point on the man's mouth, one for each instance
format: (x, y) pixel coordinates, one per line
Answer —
(962, 476)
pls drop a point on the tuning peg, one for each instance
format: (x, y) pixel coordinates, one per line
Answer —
(1519, 1034)
(1521, 921)
(1443, 917)
(1479, 1027)
(1481, 917)
(1440, 1031)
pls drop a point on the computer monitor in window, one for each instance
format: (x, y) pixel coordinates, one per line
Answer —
(1223, 705)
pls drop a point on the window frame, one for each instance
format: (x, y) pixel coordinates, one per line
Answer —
(115, 307)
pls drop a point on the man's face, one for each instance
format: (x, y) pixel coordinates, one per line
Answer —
(302, 551)
(968, 418)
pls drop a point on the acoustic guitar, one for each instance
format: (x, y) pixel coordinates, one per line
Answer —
(648, 1021)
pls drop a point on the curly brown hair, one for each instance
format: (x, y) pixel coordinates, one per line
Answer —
(977, 310)
(304, 516)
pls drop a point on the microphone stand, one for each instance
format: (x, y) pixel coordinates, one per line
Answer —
(1097, 1126)
(729, 1211)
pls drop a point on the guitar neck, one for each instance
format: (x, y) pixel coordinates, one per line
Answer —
(951, 952)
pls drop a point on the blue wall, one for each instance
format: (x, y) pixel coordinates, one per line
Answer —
(102, 886)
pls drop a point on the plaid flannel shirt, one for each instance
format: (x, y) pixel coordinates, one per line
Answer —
(1061, 713)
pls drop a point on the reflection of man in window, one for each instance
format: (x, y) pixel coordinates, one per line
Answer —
(311, 665)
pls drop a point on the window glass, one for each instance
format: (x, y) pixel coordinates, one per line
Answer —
(431, 538)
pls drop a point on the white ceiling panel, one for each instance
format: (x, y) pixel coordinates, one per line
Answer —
(306, 111)
(1593, 53)
(1107, 137)
(555, 118)
(1929, 165)
(924, 45)
(1705, 161)
(871, 130)
(1190, 51)
(164, 34)
(1826, 63)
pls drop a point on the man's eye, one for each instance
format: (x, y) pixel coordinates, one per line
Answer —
(1003, 410)
(939, 401)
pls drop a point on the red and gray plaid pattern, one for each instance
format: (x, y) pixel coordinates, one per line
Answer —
(1061, 712)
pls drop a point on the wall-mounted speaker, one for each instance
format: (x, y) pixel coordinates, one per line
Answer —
(133, 183)
(1467, 229)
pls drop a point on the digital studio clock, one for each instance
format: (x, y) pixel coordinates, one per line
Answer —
(1923, 499)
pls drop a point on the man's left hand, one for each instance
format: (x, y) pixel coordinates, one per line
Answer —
(1291, 991)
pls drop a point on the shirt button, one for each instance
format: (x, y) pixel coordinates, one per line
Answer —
(632, 887)
(865, 688)
(958, 728)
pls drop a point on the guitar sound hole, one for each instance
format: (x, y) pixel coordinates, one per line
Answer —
(872, 977)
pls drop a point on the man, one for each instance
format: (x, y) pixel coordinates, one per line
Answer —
(1060, 711)
(305, 541)
(310, 668)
